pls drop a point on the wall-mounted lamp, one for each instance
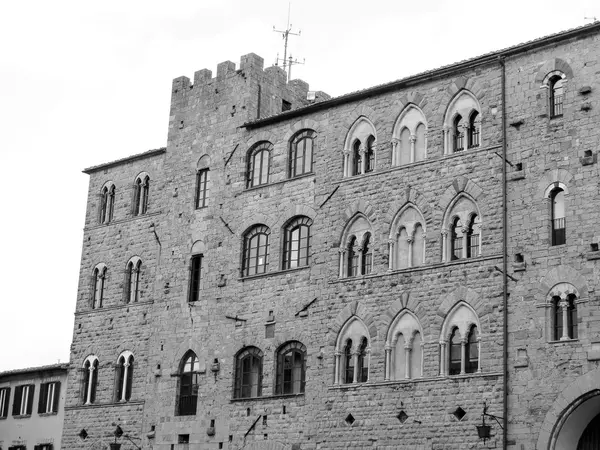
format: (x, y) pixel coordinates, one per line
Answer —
(483, 430)
(215, 367)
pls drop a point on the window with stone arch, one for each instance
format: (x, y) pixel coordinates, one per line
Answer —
(409, 141)
(197, 270)
(562, 301)
(107, 203)
(356, 248)
(301, 153)
(124, 376)
(187, 390)
(555, 193)
(462, 228)
(404, 348)
(248, 373)
(297, 242)
(555, 82)
(99, 276)
(460, 342)
(291, 368)
(202, 182)
(89, 380)
(352, 353)
(141, 192)
(407, 239)
(462, 123)
(133, 271)
(258, 164)
(255, 258)
(360, 148)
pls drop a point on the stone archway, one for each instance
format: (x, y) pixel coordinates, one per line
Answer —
(590, 439)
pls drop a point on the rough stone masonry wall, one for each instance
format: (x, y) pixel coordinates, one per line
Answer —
(551, 150)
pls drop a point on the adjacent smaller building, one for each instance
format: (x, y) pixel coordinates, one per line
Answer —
(32, 407)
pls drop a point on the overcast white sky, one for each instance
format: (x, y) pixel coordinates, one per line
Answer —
(82, 83)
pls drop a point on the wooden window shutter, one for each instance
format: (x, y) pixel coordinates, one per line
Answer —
(56, 396)
(43, 398)
(17, 401)
(4, 412)
(30, 398)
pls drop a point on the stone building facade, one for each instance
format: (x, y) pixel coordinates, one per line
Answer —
(295, 271)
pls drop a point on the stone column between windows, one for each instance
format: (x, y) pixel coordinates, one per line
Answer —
(463, 356)
(407, 350)
(368, 363)
(413, 140)
(410, 241)
(342, 259)
(478, 354)
(89, 391)
(391, 246)
(388, 350)
(355, 354)
(564, 305)
(395, 143)
(422, 358)
(442, 358)
(444, 245)
(447, 142)
(363, 161)
(336, 376)
(358, 251)
(424, 235)
(346, 163)
(464, 235)
(124, 386)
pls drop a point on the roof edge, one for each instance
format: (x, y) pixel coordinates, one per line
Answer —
(427, 75)
(48, 368)
(108, 165)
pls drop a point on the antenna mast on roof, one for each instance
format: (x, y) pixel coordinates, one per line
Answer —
(287, 62)
(594, 18)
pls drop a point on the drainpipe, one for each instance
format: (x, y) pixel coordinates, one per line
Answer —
(501, 60)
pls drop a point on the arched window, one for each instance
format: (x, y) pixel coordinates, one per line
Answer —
(98, 285)
(296, 243)
(456, 240)
(556, 96)
(248, 373)
(405, 147)
(472, 237)
(362, 371)
(564, 317)
(124, 377)
(472, 351)
(141, 191)
(356, 158)
(454, 354)
(256, 250)
(367, 255)
(473, 131)
(107, 203)
(352, 258)
(407, 239)
(572, 317)
(301, 153)
(348, 363)
(187, 399)
(89, 380)
(559, 226)
(291, 369)
(132, 280)
(259, 161)
(202, 188)
(404, 348)
(409, 142)
(457, 133)
(370, 155)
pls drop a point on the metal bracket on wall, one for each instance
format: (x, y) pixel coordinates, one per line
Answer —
(231, 154)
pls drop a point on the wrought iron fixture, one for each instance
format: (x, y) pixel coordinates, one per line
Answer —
(483, 430)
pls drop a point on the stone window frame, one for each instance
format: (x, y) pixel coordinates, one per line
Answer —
(405, 324)
(107, 203)
(296, 222)
(196, 271)
(363, 142)
(549, 194)
(251, 174)
(183, 376)
(247, 238)
(465, 112)
(284, 349)
(565, 292)
(398, 224)
(548, 84)
(464, 322)
(89, 380)
(141, 193)
(98, 286)
(303, 135)
(356, 334)
(124, 377)
(203, 183)
(132, 283)
(406, 122)
(238, 378)
(359, 238)
(468, 218)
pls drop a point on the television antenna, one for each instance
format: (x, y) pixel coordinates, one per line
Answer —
(285, 34)
(593, 18)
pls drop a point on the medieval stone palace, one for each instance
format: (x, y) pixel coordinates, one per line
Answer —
(410, 266)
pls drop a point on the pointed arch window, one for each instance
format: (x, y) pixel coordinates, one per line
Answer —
(356, 158)
(291, 369)
(404, 348)
(473, 131)
(472, 237)
(187, 399)
(256, 251)
(456, 240)
(472, 351)
(301, 153)
(248, 373)
(296, 244)
(352, 258)
(455, 353)
(457, 133)
(559, 225)
(89, 380)
(367, 255)
(107, 204)
(141, 191)
(370, 155)
(124, 377)
(132, 281)
(362, 363)
(460, 346)
(99, 282)
(259, 162)
(556, 96)
(348, 363)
